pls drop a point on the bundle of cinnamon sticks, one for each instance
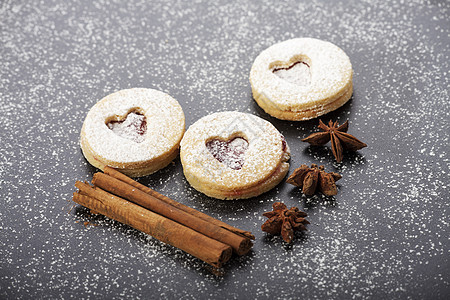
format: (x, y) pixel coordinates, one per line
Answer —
(120, 198)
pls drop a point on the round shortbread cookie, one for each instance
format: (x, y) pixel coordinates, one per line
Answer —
(301, 79)
(137, 131)
(233, 155)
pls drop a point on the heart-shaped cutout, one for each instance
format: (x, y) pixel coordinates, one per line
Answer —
(231, 152)
(297, 73)
(133, 126)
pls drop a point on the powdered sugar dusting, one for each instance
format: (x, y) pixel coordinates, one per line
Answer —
(298, 73)
(231, 153)
(384, 235)
(133, 127)
(164, 129)
(330, 68)
(262, 157)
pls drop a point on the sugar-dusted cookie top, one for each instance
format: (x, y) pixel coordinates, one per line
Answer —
(132, 126)
(302, 74)
(232, 150)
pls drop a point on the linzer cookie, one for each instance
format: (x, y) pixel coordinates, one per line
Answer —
(301, 79)
(137, 131)
(233, 155)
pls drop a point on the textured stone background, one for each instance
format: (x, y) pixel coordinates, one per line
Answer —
(384, 235)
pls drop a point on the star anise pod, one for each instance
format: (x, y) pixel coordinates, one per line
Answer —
(340, 139)
(311, 179)
(284, 221)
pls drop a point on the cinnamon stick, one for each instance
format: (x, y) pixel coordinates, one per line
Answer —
(241, 245)
(209, 250)
(118, 175)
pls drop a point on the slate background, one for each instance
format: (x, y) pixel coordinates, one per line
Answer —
(384, 235)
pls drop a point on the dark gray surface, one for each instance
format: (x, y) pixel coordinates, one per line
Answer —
(384, 235)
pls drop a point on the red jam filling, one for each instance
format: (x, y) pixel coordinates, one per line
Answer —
(283, 143)
(231, 153)
(133, 127)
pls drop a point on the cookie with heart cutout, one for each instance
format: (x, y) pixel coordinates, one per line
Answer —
(301, 79)
(137, 131)
(233, 155)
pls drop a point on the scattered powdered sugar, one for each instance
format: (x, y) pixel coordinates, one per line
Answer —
(384, 235)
